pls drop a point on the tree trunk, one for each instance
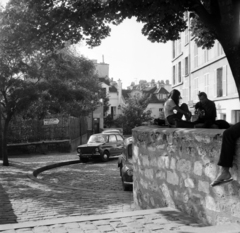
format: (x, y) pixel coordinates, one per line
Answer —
(4, 144)
(233, 58)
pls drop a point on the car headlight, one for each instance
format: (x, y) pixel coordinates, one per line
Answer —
(79, 151)
(129, 172)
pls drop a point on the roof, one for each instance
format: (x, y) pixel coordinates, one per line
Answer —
(155, 100)
(150, 89)
(112, 89)
(161, 90)
(104, 80)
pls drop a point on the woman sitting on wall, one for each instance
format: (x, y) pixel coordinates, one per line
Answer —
(173, 104)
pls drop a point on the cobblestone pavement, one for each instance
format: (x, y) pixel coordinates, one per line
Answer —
(27, 206)
(96, 176)
(22, 199)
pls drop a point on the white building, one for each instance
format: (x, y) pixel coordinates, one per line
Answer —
(195, 69)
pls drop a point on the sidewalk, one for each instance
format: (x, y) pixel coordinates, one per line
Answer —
(32, 207)
(164, 220)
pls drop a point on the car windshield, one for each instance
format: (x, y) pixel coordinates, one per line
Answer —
(97, 139)
(130, 152)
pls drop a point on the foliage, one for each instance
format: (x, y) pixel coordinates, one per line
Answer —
(68, 84)
(108, 121)
(134, 114)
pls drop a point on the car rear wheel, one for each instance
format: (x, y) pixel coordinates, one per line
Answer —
(125, 187)
(105, 156)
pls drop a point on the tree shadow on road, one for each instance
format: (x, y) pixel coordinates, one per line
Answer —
(7, 215)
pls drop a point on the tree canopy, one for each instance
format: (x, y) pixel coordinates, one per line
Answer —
(29, 25)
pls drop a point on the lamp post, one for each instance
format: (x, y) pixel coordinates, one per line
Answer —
(92, 115)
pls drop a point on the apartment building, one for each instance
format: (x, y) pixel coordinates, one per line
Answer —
(195, 69)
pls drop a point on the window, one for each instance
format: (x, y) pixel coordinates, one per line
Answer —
(195, 55)
(206, 82)
(179, 45)
(186, 35)
(186, 66)
(113, 111)
(236, 116)
(104, 91)
(173, 49)
(206, 55)
(195, 93)
(112, 138)
(179, 72)
(174, 75)
(219, 49)
(219, 82)
(119, 138)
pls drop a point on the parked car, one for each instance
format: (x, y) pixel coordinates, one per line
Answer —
(113, 130)
(125, 165)
(101, 146)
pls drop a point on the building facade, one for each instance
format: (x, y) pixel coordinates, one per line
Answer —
(195, 69)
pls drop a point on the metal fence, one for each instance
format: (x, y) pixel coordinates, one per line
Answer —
(62, 127)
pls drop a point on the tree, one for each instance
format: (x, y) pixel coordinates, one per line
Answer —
(69, 86)
(42, 84)
(134, 114)
(49, 24)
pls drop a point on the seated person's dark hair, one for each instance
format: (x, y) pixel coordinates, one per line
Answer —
(202, 94)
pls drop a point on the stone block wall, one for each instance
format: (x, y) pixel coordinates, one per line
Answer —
(174, 167)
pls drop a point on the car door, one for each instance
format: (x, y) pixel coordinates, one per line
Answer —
(112, 141)
(120, 144)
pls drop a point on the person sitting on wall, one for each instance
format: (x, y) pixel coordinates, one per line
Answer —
(171, 105)
(229, 139)
(206, 111)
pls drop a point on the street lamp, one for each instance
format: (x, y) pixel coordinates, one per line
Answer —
(92, 115)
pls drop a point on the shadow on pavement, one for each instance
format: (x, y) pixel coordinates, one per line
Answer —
(7, 215)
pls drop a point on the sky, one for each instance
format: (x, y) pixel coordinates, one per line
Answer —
(131, 57)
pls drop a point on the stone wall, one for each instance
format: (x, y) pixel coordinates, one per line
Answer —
(174, 167)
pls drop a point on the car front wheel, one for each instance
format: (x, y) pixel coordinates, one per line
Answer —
(105, 156)
(84, 160)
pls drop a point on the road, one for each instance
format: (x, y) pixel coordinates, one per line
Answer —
(82, 189)
(91, 175)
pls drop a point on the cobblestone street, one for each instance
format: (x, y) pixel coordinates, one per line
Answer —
(92, 175)
(23, 199)
(80, 198)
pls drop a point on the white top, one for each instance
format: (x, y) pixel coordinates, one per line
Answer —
(168, 107)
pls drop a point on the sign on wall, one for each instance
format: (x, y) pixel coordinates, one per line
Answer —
(51, 121)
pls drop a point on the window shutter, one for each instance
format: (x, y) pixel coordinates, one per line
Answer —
(183, 66)
(224, 80)
(215, 84)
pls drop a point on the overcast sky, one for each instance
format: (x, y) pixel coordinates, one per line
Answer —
(131, 57)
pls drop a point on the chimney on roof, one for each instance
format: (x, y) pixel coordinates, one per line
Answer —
(102, 58)
(167, 82)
